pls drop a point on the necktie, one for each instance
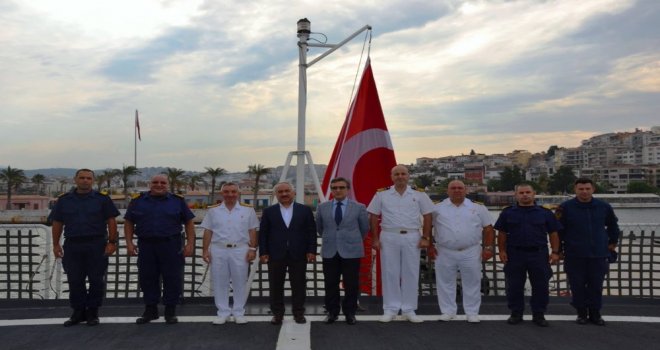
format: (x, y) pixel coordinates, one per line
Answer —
(338, 213)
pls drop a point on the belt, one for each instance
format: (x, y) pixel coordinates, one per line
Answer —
(82, 239)
(401, 231)
(528, 249)
(159, 239)
(231, 245)
(457, 249)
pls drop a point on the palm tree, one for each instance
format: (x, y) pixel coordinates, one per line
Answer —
(258, 171)
(174, 176)
(214, 173)
(109, 175)
(100, 179)
(126, 172)
(14, 178)
(194, 179)
(38, 179)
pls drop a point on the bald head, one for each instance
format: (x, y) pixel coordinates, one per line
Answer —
(400, 176)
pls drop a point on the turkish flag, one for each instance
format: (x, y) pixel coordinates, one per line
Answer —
(364, 155)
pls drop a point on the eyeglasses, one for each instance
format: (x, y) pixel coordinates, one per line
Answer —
(159, 182)
(338, 188)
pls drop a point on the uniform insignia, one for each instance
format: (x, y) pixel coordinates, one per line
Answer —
(104, 192)
(179, 195)
(63, 194)
(550, 207)
(213, 206)
(246, 205)
(414, 188)
(136, 195)
(383, 189)
(476, 202)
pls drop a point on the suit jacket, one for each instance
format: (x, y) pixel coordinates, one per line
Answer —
(347, 238)
(275, 239)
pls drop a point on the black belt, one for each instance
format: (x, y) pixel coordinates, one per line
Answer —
(159, 239)
(403, 232)
(83, 239)
(529, 249)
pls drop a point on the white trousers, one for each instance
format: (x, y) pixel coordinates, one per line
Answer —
(229, 265)
(399, 254)
(447, 265)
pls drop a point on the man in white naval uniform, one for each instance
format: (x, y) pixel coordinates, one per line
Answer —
(403, 212)
(459, 226)
(230, 241)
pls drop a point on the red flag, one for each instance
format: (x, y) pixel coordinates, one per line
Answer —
(364, 155)
(137, 125)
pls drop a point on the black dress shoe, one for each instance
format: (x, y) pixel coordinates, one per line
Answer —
(330, 319)
(595, 317)
(92, 316)
(581, 320)
(276, 320)
(350, 319)
(150, 313)
(515, 318)
(170, 314)
(300, 319)
(539, 319)
(77, 317)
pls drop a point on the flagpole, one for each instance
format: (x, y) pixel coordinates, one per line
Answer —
(304, 30)
(135, 135)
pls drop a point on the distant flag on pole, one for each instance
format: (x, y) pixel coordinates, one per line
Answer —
(137, 125)
(364, 155)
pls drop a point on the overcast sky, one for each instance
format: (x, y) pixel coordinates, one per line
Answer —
(216, 82)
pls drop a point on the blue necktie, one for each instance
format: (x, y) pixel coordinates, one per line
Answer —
(338, 213)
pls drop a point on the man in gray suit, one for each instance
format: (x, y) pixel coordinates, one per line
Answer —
(343, 224)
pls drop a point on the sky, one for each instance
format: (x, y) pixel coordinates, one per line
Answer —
(216, 82)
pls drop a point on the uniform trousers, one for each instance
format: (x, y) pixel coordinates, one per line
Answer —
(523, 262)
(586, 276)
(277, 274)
(448, 264)
(161, 258)
(400, 259)
(229, 265)
(85, 261)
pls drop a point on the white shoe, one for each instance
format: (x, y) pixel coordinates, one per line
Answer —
(446, 317)
(241, 320)
(220, 320)
(473, 318)
(413, 318)
(230, 318)
(386, 318)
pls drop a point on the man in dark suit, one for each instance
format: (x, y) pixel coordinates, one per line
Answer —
(343, 224)
(287, 241)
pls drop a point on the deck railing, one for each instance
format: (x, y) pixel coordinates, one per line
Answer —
(28, 269)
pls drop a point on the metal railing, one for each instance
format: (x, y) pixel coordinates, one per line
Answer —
(28, 269)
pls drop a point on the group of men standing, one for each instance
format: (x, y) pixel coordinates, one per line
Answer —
(457, 233)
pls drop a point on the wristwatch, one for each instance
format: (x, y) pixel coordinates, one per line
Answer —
(112, 241)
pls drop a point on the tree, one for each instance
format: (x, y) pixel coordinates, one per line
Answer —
(640, 187)
(38, 179)
(193, 180)
(551, 151)
(13, 177)
(258, 171)
(175, 178)
(494, 185)
(109, 175)
(214, 173)
(126, 172)
(423, 181)
(510, 177)
(562, 180)
(100, 179)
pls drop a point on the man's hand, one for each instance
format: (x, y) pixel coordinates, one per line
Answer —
(206, 256)
(264, 259)
(486, 254)
(57, 250)
(131, 249)
(504, 257)
(311, 257)
(375, 243)
(251, 255)
(431, 252)
(110, 248)
(189, 249)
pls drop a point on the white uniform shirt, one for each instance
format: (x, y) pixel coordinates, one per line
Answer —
(400, 211)
(459, 227)
(230, 226)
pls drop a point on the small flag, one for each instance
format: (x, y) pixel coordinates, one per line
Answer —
(137, 125)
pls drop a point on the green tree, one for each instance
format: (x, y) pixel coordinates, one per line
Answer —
(562, 180)
(100, 179)
(14, 178)
(109, 175)
(214, 173)
(126, 172)
(175, 178)
(195, 179)
(551, 151)
(510, 177)
(258, 171)
(423, 181)
(494, 185)
(38, 180)
(640, 187)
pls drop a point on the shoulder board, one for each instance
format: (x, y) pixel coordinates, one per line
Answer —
(104, 192)
(383, 189)
(213, 206)
(245, 205)
(136, 195)
(414, 188)
(480, 203)
(437, 202)
(63, 194)
(179, 195)
(550, 207)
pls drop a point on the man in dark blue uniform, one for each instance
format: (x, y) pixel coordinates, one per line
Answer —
(88, 220)
(590, 234)
(522, 239)
(156, 218)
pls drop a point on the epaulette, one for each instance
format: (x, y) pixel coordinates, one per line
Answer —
(213, 206)
(104, 192)
(414, 188)
(436, 202)
(246, 205)
(383, 189)
(180, 196)
(63, 194)
(558, 212)
(136, 195)
(476, 202)
(550, 207)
